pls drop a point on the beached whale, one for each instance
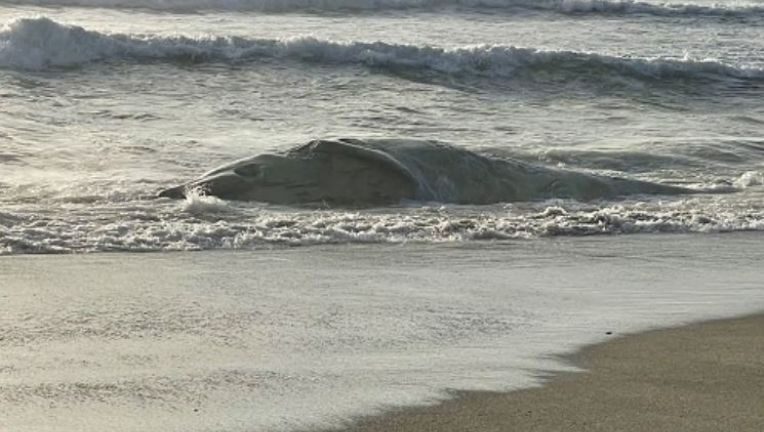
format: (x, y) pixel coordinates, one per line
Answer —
(373, 172)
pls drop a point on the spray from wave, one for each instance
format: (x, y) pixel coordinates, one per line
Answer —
(614, 7)
(41, 43)
(749, 179)
(198, 203)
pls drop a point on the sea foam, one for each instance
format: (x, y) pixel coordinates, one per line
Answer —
(750, 179)
(198, 203)
(184, 226)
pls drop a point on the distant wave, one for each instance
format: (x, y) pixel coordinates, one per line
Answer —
(41, 43)
(627, 7)
(285, 6)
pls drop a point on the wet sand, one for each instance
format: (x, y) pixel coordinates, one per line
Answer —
(702, 377)
(314, 338)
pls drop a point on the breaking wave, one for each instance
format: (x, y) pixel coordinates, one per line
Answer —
(620, 7)
(41, 43)
(627, 7)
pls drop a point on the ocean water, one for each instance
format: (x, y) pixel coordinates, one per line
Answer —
(297, 317)
(106, 102)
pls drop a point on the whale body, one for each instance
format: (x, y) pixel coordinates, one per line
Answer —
(375, 172)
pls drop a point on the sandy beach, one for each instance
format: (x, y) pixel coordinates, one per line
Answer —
(702, 377)
(309, 339)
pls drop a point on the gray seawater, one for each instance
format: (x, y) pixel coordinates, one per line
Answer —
(105, 102)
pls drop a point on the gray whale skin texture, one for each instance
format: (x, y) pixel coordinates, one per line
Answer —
(375, 172)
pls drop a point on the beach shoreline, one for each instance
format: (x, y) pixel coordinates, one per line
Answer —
(705, 376)
(317, 338)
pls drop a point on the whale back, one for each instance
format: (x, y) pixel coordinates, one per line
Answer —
(351, 174)
(344, 149)
(445, 173)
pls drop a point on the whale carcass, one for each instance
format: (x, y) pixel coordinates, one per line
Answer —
(375, 172)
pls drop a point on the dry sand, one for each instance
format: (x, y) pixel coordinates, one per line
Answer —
(703, 377)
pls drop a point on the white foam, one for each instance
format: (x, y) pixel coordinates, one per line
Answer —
(750, 179)
(204, 223)
(196, 202)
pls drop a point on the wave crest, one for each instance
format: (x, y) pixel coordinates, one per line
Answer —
(628, 7)
(620, 7)
(41, 43)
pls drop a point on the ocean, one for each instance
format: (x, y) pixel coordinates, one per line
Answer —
(252, 315)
